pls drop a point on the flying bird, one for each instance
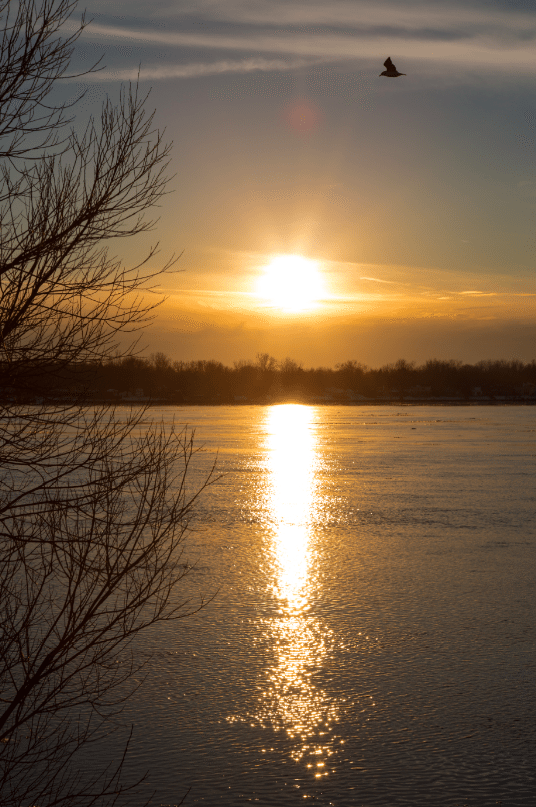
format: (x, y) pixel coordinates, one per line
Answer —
(391, 71)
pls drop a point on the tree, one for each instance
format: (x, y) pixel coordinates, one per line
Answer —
(31, 62)
(94, 503)
(61, 200)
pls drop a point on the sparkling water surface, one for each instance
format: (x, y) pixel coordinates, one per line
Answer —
(371, 640)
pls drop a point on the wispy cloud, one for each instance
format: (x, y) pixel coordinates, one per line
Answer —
(377, 280)
(199, 69)
(479, 293)
(411, 16)
(477, 37)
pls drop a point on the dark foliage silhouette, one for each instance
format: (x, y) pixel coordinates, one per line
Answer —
(266, 379)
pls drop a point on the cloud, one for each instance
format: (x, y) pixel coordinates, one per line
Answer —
(377, 280)
(469, 37)
(479, 293)
(200, 69)
(410, 16)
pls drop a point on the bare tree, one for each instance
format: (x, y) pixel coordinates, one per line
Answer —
(94, 504)
(32, 59)
(63, 298)
(77, 584)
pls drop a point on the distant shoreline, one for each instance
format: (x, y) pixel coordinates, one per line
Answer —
(398, 403)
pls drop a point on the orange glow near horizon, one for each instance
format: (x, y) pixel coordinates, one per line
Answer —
(291, 283)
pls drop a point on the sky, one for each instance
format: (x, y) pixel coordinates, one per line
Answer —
(324, 212)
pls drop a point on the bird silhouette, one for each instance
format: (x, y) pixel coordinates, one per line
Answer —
(391, 71)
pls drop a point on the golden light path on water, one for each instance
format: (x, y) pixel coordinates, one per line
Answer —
(290, 699)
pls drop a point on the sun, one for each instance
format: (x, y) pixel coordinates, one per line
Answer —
(291, 283)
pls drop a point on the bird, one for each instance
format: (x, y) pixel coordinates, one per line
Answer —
(391, 71)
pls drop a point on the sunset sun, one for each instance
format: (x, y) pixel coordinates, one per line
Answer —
(291, 283)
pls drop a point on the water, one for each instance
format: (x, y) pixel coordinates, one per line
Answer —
(372, 637)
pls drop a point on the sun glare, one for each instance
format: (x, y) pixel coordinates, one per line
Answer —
(291, 283)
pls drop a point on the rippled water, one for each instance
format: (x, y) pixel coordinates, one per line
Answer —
(372, 639)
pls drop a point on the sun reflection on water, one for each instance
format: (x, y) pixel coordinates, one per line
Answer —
(292, 700)
(290, 500)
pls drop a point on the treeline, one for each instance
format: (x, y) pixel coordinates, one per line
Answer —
(267, 379)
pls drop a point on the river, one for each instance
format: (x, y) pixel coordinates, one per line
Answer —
(371, 637)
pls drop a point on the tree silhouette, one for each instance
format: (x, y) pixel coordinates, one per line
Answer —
(94, 503)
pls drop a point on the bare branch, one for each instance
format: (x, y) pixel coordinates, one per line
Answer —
(95, 504)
